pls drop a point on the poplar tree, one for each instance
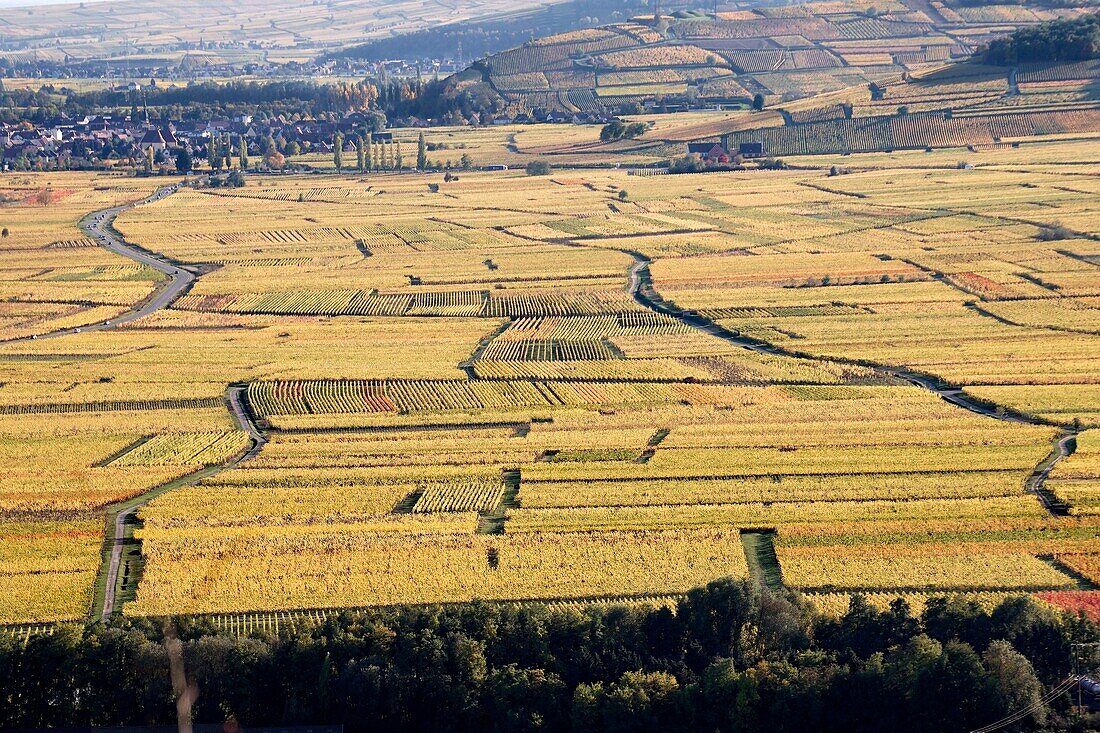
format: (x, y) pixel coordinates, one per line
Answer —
(213, 157)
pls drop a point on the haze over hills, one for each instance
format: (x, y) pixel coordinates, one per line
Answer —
(275, 30)
(34, 3)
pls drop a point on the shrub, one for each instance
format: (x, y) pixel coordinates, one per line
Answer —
(1054, 233)
(538, 168)
(686, 164)
(617, 130)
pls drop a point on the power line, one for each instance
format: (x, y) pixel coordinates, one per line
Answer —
(1061, 688)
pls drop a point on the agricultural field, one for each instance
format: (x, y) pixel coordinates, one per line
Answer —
(952, 276)
(53, 275)
(962, 105)
(572, 388)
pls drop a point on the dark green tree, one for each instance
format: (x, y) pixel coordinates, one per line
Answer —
(184, 163)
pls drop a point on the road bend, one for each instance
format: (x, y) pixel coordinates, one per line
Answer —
(99, 226)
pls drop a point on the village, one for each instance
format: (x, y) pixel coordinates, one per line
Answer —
(106, 141)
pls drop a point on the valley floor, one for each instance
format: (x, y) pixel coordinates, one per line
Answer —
(589, 386)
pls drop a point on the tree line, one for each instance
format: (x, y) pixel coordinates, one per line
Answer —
(1075, 39)
(396, 99)
(730, 658)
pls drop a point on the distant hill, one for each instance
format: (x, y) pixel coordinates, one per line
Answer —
(236, 31)
(773, 55)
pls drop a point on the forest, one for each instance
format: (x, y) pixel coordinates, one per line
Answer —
(729, 657)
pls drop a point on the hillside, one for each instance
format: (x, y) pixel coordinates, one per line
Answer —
(779, 54)
(965, 105)
(233, 31)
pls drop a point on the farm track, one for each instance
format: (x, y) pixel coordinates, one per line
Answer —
(640, 286)
(761, 559)
(119, 539)
(99, 225)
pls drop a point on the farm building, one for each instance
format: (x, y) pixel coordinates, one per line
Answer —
(754, 149)
(710, 152)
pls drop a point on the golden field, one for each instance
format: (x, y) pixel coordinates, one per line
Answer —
(463, 399)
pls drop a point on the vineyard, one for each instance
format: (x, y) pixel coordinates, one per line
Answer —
(875, 62)
(199, 449)
(487, 304)
(465, 496)
(911, 131)
(534, 388)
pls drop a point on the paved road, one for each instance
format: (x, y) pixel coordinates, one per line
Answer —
(1039, 476)
(98, 226)
(643, 293)
(236, 395)
(640, 287)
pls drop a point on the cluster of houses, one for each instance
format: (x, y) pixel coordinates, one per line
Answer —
(553, 117)
(98, 139)
(717, 153)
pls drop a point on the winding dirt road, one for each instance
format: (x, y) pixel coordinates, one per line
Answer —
(99, 225)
